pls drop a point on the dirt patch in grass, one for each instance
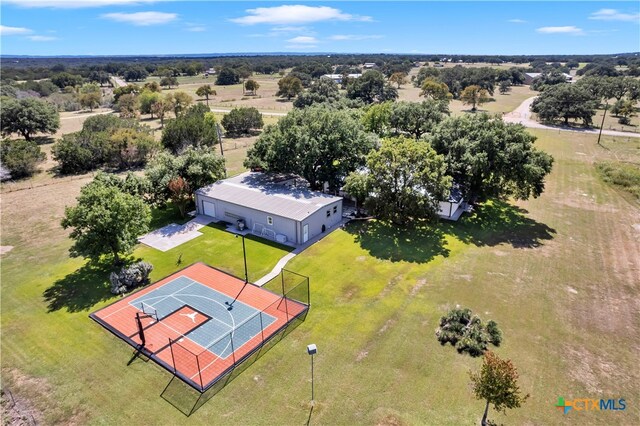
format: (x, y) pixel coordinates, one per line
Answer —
(390, 286)
(416, 288)
(584, 201)
(386, 417)
(5, 249)
(594, 372)
(19, 394)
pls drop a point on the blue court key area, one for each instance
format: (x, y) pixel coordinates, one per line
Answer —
(215, 334)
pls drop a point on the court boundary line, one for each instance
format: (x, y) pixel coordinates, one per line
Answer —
(171, 369)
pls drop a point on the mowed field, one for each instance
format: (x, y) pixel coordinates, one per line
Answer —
(559, 274)
(232, 96)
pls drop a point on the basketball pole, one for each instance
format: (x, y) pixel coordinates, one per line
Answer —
(246, 275)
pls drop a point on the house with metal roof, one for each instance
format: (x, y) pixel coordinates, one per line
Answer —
(279, 207)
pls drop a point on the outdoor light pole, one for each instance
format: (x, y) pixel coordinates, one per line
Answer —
(244, 254)
(246, 275)
(312, 350)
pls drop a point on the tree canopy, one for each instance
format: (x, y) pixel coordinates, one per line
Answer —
(227, 77)
(321, 91)
(407, 179)
(240, 121)
(497, 384)
(475, 96)
(198, 167)
(488, 157)
(206, 91)
(319, 143)
(289, 87)
(371, 87)
(417, 118)
(21, 157)
(28, 116)
(565, 102)
(106, 221)
(432, 89)
(189, 129)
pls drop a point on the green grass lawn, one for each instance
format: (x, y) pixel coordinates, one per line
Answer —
(557, 273)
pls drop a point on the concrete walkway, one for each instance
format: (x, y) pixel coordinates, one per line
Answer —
(522, 115)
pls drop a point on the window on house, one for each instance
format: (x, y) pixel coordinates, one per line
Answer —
(269, 220)
(335, 209)
(328, 213)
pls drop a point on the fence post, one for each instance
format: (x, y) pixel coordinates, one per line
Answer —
(261, 329)
(286, 308)
(233, 351)
(173, 358)
(199, 371)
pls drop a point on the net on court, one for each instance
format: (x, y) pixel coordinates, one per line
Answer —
(192, 324)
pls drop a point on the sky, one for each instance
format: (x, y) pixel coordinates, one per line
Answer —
(143, 27)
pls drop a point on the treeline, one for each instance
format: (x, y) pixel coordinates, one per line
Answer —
(39, 68)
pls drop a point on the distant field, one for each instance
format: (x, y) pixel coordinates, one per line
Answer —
(232, 96)
(501, 103)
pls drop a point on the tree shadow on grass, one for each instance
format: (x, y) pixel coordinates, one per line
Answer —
(419, 243)
(81, 289)
(498, 222)
(491, 224)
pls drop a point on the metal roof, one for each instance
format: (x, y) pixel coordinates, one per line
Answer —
(262, 192)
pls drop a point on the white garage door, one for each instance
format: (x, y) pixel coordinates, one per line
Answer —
(209, 209)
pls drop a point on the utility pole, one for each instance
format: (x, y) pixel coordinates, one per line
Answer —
(606, 106)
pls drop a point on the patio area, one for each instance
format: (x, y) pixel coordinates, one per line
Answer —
(173, 235)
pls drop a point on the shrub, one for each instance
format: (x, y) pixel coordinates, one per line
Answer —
(624, 175)
(21, 157)
(466, 332)
(130, 277)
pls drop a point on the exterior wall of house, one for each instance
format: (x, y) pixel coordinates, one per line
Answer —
(447, 209)
(319, 218)
(230, 212)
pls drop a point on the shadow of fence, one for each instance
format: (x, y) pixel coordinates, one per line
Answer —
(188, 400)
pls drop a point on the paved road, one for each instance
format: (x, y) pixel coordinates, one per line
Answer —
(522, 115)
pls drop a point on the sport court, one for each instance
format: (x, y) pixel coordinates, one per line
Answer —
(190, 324)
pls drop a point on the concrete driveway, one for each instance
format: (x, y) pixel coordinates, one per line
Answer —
(173, 235)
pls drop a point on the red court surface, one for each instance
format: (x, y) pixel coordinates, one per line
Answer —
(188, 328)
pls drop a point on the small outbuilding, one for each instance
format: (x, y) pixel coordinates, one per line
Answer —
(279, 207)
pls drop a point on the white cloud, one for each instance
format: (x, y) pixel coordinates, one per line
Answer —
(517, 21)
(41, 38)
(295, 14)
(303, 40)
(569, 29)
(353, 37)
(614, 15)
(142, 19)
(300, 46)
(7, 31)
(74, 4)
(289, 29)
